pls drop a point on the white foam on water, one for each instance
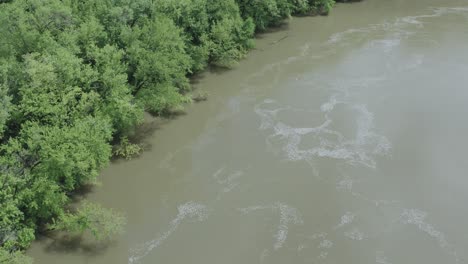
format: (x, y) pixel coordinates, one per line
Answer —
(325, 244)
(305, 49)
(346, 183)
(386, 44)
(416, 61)
(264, 255)
(367, 136)
(346, 219)
(319, 235)
(330, 105)
(323, 255)
(254, 208)
(417, 20)
(267, 115)
(385, 202)
(218, 173)
(190, 210)
(418, 218)
(380, 258)
(321, 242)
(316, 236)
(301, 247)
(288, 216)
(228, 182)
(338, 37)
(359, 150)
(280, 236)
(355, 234)
(399, 27)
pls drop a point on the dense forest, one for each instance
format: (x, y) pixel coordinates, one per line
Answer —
(75, 80)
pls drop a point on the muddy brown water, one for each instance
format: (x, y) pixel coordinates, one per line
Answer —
(340, 139)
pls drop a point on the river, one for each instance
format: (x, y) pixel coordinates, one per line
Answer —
(339, 139)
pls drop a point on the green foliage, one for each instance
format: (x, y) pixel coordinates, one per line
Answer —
(230, 34)
(24, 198)
(76, 75)
(300, 7)
(127, 150)
(157, 62)
(265, 13)
(15, 257)
(102, 223)
(111, 83)
(60, 74)
(191, 16)
(5, 102)
(200, 96)
(71, 155)
(161, 98)
(323, 7)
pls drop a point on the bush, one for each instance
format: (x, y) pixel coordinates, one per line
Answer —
(76, 75)
(126, 149)
(102, 223)
(15, 257)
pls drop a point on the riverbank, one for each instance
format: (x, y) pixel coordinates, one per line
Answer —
(78, 76)
(244, 177)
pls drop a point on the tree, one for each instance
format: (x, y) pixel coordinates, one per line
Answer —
(230, 34)
(15, 257)
(5, 100)
(16, 229)
(323, 7)
(158, 63)
(265, 13)
(191, 16)
(102, 223)
(76, 76)
(117, 101)
(56, 88)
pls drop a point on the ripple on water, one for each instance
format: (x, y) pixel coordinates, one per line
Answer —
(288, 216)
(346, 219)
(399, 25)
(380, 258)
(360, 149)
(328, 142)
(355, 234)
(418, 218)
(325, 244)
(189, 210)
(228, 181)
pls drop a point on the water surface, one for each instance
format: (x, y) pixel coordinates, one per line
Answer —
(340, 139)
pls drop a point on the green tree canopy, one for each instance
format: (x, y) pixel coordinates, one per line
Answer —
(76, 76)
